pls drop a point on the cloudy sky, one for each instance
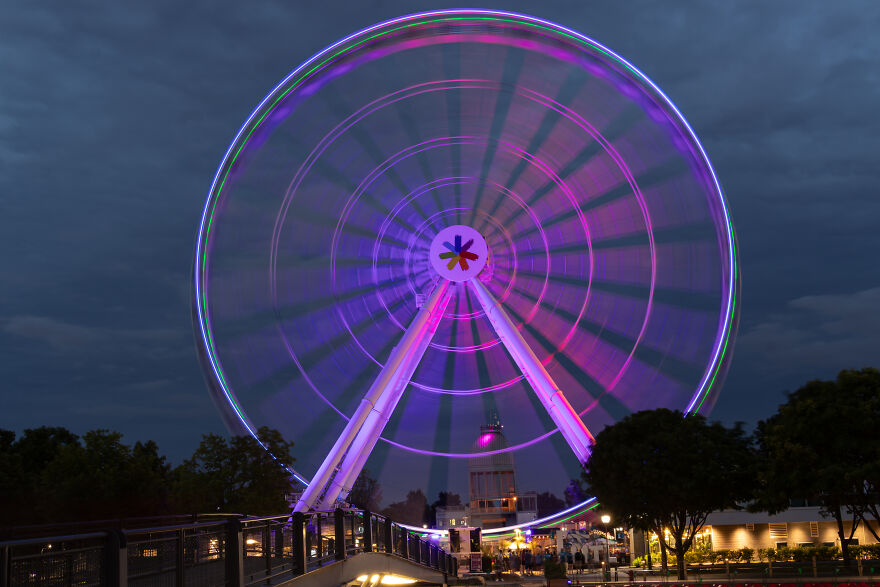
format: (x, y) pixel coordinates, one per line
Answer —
(114, 118)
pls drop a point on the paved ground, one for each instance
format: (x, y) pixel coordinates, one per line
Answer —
(642, 577)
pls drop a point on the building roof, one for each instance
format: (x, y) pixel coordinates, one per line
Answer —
(491, 438)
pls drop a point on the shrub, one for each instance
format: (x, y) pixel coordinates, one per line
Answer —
(783, 554)
(746, 554)
(767, 554)
(700, 554)
(554, 570)
(865, 551)
(827, 553)
(721, 554)
(487, 564)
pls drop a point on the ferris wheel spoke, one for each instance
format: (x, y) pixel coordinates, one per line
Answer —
(513, 65)
(568, 90)
(451, 57)
(624, 121)
(679, 298)
(677, 369)
(347, 457)
(340, 108)
(489, 401)
(647, 179)
(412, 132)
(688, 233)
(563, 415)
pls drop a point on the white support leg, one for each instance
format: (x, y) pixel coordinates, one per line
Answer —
(563, 415)
(354, 461)
(379, 402)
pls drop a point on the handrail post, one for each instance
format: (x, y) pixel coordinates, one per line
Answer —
(418, 549)
(234, 554)
(368, 531)
(267, 548)
(116, 557)
(404, 551)
(279, 543)
(389, 537)
(339, 532)
(298, 542)
(179, 575)
(5, 563)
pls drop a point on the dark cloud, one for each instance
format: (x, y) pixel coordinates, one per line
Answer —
(816, 331)
(113, 120)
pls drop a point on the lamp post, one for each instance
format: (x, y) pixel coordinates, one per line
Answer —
(605, 520)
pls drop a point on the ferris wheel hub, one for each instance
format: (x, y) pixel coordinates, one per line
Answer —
(458, 253)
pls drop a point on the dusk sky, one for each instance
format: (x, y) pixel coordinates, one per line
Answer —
(114, 119)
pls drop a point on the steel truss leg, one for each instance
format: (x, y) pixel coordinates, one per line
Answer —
(563, 415)
(347, 457)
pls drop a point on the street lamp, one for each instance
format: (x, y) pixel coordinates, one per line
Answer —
(605, 520)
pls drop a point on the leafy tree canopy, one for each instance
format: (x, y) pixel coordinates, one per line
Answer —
(413, 510)
(236, 476)
(51, 475)
(823, 444)
(658, 470)
(366, 492)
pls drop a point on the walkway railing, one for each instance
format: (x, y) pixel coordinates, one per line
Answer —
(236, 551)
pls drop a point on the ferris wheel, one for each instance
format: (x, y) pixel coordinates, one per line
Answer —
(454, 214)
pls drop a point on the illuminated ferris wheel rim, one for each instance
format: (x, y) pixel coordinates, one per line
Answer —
(313, 64)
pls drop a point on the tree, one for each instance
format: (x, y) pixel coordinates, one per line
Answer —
(13, 482)
(548, 504)
(51, 475)
(574, 493)
(822, 444)
(104, 478)
(659, 470)
(366, 493)
(33, 453)
(444, 499)
(236, 476)
(413, 510)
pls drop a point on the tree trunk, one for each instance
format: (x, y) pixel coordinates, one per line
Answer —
(679, 557)
(867, 523)
(844, 543)
(663, 554)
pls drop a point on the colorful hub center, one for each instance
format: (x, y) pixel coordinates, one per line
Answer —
(458, 253)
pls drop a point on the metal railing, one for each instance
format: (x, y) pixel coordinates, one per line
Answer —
(235, 551)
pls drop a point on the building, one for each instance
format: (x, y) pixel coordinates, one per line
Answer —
(452, 516)
(794, 527)
(493, 499)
